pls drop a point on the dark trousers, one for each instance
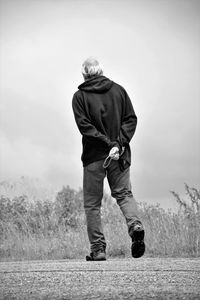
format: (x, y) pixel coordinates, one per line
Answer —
(119, 182)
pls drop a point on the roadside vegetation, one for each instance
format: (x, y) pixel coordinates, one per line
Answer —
(55, 229)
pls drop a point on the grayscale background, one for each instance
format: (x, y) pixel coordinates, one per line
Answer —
(150, 47)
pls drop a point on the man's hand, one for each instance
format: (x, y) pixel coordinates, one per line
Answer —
(114, 153)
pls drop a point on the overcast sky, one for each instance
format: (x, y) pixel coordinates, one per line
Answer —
(149, 47)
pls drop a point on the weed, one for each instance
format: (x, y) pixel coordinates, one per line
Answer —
(57, 229)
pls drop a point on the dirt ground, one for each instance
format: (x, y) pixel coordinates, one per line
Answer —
(144, 278)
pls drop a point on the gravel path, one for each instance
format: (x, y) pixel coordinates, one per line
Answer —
(144, 278)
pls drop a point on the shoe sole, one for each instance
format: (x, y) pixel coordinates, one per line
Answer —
(138, 245)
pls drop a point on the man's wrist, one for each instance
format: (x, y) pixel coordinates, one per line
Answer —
(115, 144)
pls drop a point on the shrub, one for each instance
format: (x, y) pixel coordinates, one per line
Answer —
(56, 229)
(189, 213)
(68, 206)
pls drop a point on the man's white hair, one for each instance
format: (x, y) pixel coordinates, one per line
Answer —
(91, 67)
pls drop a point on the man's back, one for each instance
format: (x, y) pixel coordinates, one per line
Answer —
(105, 105)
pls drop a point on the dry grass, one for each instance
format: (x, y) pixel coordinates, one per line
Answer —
(56, 230)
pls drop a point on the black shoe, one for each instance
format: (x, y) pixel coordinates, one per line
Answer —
(137, 235)
(97, 255)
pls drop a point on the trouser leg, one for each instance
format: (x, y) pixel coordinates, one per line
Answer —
(120, 185)
(93, 178)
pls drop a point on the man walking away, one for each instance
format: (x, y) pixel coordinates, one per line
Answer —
(106, 119)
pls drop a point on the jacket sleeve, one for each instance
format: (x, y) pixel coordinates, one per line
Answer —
(129, 122)
(86, 128)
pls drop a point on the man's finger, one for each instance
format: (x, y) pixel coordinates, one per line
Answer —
(113, 151)
(115, 157)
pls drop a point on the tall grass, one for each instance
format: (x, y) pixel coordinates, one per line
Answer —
(56, 229)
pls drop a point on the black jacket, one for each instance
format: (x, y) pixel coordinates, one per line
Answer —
(105, 117)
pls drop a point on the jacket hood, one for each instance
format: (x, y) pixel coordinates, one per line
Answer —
(97, 84)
